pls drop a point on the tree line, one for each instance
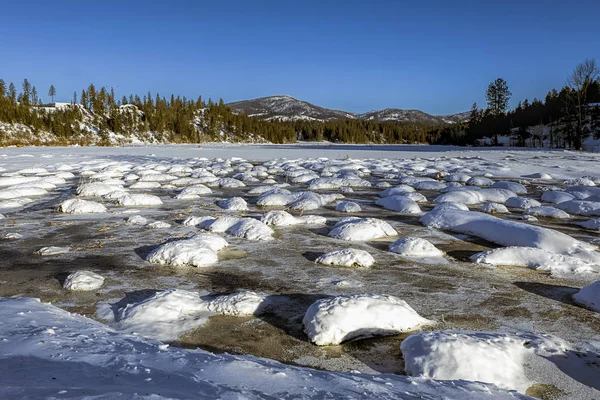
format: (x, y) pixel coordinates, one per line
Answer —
(564, 118)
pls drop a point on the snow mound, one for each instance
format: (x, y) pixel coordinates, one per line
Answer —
(533, 258)
(397, 190)
(79, 206)
(200, 250)
(475, 196)
(399, 203)
(589, 296)
(83, 280)
(52, 250)
(512, 186)
(361, 229)
(97, 189)
(556, 197)
(158, 225)
(283, 218)
(348, 207)
(499, 358)
(193, 192)
(507, 233)
(415, 247)
(479, 181)
(145, 185)
(239, 304)
(346, 258)
(521, 202)
(136, 220)
(248, 228)
(581, 207)
(548, 212)
(134, 200)
(592, 224)
(163, 316)
(494, 208)
(15, 193)
(234, 204)
(334, 320)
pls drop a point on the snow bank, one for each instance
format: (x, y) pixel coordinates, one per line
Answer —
(97, 189)
(96, 359)
(200, 250)
(581, 207)
(521, 202)
(512, 186)
(79, 206)
(508, 233)
(361, 229)
(533, 258)
(589, 296)
(337, 319)
(346, 258)
(15, 193)
(83, 280)
(592, 224)
(556, 197)
(498, 358)
(239, 304)
(475, 196)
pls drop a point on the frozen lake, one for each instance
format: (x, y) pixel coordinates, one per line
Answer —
(469, 277)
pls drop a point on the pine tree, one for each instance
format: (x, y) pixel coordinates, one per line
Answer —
(26, 98)
(12, 92)
(52, 92)
(498, 96)
(579, 82)
(75, 97)
(2, 88)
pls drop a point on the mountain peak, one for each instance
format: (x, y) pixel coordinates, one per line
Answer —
(287, 108)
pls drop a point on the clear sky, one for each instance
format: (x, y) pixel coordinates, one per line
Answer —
(437, 56)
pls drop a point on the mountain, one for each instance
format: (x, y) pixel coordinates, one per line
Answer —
(288, 108)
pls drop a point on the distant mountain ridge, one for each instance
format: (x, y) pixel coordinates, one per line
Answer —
(288, 108)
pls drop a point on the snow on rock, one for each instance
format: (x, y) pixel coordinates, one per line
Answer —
(512, 186)
(346, 258)
(334, 320)
(134, 200)
(165, 316)
(399, 203)
(509, 233)
(233, 203)
(283, 218)
(118, 365)
(430, 185)
(479, 181)
(336, 183)
(193, 192)
(498, 358)
(83, 280)
(419, 248)
(145, 185)
(589, 296)
(475, 195)
(534, 258)
(79, 206)
(592, 224)
(158, 225)
(348, 207)
(361, 229)
(136, 220)
(239, 304)
(548, 212)
(521, 202)
(494, 208)
(53, 250)
(581, 207)
(248, 228)
(397, 190)
(556, 197)
(199, 251)
(97, 189)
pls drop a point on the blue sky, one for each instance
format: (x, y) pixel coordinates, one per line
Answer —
(437, 56)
